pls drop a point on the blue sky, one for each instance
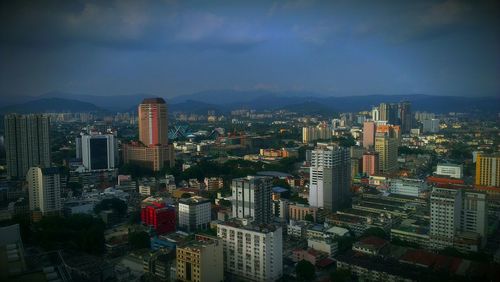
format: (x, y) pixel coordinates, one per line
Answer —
(172, 48)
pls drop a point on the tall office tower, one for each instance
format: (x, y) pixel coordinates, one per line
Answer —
(78, 147)
(458, 219)
(387, 148)
(152, 150)
(200, 260)
(368, 134)
(252, 198)
(405, 116)
(27, 143)
(370, 163)
(194, 213)
(375, 114)
(330, 177)
(44, 189)
(153, 122)
(252, 252)
(308, 134)
(488, 170)
(99, 151)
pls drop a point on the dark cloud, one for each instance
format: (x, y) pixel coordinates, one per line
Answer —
(442, 47)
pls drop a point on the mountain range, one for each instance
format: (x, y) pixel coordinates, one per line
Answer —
(226, 100)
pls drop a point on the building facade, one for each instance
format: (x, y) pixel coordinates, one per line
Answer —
(99, 151)
(488, 170)
(252, 252)
(44, 188)
(370, 163)
(158, 216)
(330, 177)
(387, 148)
(200, 260)
(252, 198)
(450, 170)
(27, 143)
(194, 213)
(368, 134)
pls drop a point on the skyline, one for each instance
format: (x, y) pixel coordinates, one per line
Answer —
(169, 48)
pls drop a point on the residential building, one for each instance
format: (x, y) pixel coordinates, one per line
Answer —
(430, 125)
(252, 251)
(329, 177)
(450, 170)
(200, 260)
(27, 143)
(252, 198)
(370, 163)
(488, 170)
(194, 213)
(44, 188)
(370, 245)
(213, 183)
(455, 211)
(99, 151)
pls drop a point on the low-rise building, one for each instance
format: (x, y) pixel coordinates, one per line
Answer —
(194, 213)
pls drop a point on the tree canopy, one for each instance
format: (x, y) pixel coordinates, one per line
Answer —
(305, 271)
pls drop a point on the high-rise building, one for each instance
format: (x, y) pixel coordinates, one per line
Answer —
(194, 213)
(330, 177)
(99, 151)
(27, 143)
(252, 252)
(252, 198)
(320, 132)
(386, 145)
(153, 122)
(152, 150)
(388, 112)
(376, 114)
(44, 188)
(369, 134)
(405, 116)
(430, 125)
(159, 216)
(488, 170)
(200, 260)
(455, 213)
(370, 163)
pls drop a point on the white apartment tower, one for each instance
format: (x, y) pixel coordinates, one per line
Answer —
(252, 252)
(44, 188)
(252, 198)
(456, 211)
(330, 175)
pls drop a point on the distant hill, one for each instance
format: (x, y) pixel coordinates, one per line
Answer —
(51, 105)
(226, 100)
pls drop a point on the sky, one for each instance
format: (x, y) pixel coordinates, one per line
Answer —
(172, 48)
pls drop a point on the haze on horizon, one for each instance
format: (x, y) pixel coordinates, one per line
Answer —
(170, 48)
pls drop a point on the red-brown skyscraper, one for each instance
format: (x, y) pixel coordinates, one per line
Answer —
(153, 150)
(153, 122)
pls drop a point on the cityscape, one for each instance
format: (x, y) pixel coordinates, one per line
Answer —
(267, 169)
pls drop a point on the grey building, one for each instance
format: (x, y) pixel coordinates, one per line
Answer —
(252, 198)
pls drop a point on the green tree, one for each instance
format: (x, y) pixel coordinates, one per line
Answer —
(340, 275)
(139, 240)
(305, 271)
(115, 204)
(309, 217)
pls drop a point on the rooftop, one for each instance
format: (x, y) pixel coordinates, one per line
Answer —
(157, 100)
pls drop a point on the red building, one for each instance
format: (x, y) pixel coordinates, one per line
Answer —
(370, 163)
(160, 217)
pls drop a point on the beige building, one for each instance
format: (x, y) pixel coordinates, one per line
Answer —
(299, 211)
(213, 183)
(200, 260)
(44, 188)
(387, 149)
(154, 158)
(488, 170)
